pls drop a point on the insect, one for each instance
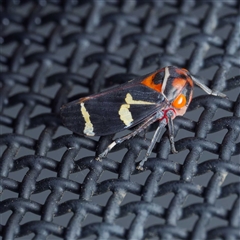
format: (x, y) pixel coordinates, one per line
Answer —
(159, 96)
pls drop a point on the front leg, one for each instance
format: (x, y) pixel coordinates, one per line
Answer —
(166, 119)
(139, 129)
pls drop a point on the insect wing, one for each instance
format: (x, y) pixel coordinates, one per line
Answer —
(113, 110)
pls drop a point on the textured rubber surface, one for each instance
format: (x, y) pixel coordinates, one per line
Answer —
(53, 52)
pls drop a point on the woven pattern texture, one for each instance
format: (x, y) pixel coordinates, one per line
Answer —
(53, 52)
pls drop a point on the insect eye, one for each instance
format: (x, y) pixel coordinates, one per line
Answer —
(180, 101)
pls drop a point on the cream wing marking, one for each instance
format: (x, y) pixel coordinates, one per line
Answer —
(125, 113)
(88, 130)
(129, 100)
(166, 76)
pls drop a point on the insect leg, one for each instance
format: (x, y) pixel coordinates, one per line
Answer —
(162, 124)
(206, 89)
(152, 144)
(171, 132)
(144, 125)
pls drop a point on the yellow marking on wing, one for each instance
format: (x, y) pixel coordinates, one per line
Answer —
(125, 113)
(88, 130)
(129, 100)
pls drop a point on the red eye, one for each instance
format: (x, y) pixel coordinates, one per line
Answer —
(180, 101)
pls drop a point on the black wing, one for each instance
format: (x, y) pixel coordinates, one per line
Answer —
(113, 110)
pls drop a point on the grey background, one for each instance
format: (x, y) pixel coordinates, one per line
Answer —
(139, 178)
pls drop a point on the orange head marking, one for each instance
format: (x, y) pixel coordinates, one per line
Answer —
(184, 72)
(149, 82)
(178, 83)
